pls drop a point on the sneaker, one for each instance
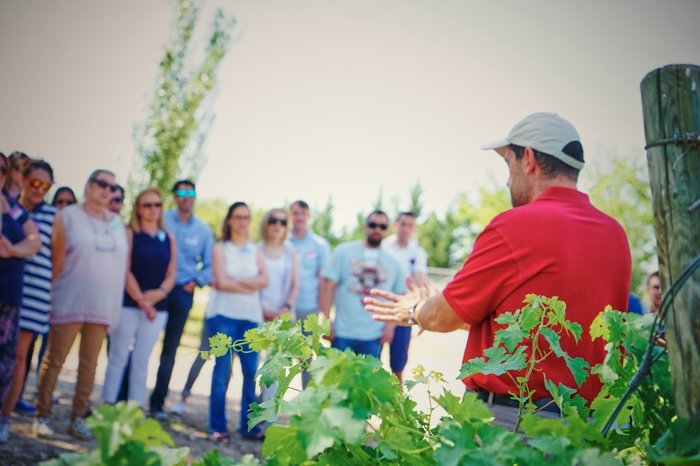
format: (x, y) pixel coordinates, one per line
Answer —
(79, 430)
(160, 415)
(25, 408)
(42, 427)
(4, 429)
(178, 408)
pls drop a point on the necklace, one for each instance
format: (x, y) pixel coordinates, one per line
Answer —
(104, 236)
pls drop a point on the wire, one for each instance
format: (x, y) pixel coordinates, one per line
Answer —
(648, 359)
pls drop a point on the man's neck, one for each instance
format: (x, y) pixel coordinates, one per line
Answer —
(299, 232)
(402, 242)
(184, 217)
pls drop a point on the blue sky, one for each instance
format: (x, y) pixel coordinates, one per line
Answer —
(340, 98)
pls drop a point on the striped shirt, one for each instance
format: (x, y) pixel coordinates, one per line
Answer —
(36, 292)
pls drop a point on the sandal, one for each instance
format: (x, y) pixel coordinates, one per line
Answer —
(221, 437)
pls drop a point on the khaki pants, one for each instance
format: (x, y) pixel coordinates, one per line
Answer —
(61, 338)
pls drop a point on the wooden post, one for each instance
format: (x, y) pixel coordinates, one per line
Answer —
(671, 106)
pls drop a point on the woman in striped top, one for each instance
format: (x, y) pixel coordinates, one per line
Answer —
(36, 290)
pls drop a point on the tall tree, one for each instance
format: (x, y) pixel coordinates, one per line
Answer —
(169, 142)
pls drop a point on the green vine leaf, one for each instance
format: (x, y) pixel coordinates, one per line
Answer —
(498, 363)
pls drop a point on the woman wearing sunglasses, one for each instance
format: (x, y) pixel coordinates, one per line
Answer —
(282, 266)
(89, 249)
(36, 291)
(234, 308)
(150, 278)
(18, 240)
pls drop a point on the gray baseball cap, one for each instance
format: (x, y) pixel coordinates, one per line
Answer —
(547, 133)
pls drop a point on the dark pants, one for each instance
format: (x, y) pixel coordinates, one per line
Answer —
(368, 347)
(398, 349)
(9, 332)
(179, 305)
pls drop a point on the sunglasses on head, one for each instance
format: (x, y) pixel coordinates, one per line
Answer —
(373, 225)
(104, 185)
(45, 185)
(276, 220)
(185, 193)
(148, 205)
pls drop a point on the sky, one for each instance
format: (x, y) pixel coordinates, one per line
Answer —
(341, 98)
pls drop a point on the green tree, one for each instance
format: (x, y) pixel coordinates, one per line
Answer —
(322, 223)
(212, 212)
(622, 191)
(169, 142)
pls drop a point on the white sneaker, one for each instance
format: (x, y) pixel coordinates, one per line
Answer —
(42, 427)
(178, 408)
(79, 430)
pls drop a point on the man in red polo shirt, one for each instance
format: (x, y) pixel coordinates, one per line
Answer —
(553, 242)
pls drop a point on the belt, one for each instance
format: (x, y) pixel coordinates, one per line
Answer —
(491, 398)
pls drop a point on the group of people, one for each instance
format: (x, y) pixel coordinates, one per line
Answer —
(78, 269)
(69, 268)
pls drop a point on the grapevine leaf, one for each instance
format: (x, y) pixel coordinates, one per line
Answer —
(508, 318)
(282, 442)
(569, 403)
(499, 362)
(333, 424)
(510, 336)
(553, 339)
(219, 345)
(466, 410)
(578, 367)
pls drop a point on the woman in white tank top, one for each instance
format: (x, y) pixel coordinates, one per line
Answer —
(282, 265)
(234, 308)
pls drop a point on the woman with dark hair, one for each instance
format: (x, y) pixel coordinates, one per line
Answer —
(234, 308)
(89, 250)
(19, 239)
(150, 278)
(63, 197)
(36, 291)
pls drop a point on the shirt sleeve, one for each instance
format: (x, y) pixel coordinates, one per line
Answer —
(484, 281)
(324, 251)
(205, 274)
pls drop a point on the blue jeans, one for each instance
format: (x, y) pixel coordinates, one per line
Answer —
(369, 347)
(398, 349)
(222, 375)
(179, 305)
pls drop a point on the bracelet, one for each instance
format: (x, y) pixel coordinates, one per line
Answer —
(412, 314)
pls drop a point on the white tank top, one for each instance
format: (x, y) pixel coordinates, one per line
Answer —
(240, 262)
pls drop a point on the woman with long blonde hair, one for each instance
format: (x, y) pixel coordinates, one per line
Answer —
(150, 277)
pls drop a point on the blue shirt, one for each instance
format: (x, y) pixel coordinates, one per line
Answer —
(356, 269)
(313, 252)
(12, 268)
(194, 241)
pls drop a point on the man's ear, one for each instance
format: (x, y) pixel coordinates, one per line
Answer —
(530, 160)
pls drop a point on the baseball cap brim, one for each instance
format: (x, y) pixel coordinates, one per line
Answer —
(499, 146)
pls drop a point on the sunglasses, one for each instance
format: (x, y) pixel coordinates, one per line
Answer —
(64, 202)
(373, 225)
(45, 185)
(275, 221)
(104, 185)
(116, 200)
(185, 193)
(149, 205)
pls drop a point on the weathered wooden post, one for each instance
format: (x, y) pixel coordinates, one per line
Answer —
(671, 106)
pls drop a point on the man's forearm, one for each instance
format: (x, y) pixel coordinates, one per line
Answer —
(436, 314)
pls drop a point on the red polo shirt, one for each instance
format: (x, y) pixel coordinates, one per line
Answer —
(558, 245)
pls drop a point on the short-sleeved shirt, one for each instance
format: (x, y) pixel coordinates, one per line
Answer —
(558, 245)
(150, 257)
(36, 292)
(313, 252)
(194, 241)
(356, 269)
(12, 268)
(412, 258)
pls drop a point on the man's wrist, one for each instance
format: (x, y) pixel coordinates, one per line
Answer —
(413, 314)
